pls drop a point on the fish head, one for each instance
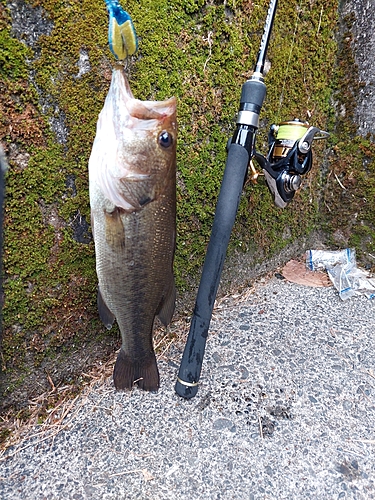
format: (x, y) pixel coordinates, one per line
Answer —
(133, 160)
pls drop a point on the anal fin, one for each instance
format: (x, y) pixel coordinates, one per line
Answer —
(167, 306)
(105, 314)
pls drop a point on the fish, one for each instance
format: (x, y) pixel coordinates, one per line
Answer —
(132, 187)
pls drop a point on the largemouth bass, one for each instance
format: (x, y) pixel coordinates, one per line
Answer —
(132, 173)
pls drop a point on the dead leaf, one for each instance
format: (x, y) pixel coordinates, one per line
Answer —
(147, 476)
(296, 272)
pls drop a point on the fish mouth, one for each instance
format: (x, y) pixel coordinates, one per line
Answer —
(141, 110)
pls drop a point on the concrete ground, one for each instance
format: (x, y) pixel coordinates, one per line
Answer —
(285, 410)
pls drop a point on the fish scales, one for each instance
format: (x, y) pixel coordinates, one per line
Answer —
(133, 211)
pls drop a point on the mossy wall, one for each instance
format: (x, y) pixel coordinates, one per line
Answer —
(349, 182)
(55, 69)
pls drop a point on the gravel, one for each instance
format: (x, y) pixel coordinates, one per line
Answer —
(285, 410)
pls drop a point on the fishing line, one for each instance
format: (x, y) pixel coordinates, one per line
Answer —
(298, 9)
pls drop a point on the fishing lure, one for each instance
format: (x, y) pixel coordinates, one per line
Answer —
(122, 38)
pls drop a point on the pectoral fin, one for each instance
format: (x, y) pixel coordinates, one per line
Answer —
(166, 307)
(105, 314)
(114, 229)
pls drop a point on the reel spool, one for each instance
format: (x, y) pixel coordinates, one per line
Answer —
(285, 136)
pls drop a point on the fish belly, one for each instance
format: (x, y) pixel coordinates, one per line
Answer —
(134, 263)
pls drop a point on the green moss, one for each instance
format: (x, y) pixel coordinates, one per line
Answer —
(202, 52)
(12, 56)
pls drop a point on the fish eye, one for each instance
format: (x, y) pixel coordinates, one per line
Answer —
(165, 139)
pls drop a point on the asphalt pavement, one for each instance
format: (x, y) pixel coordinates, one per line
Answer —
(285, 410)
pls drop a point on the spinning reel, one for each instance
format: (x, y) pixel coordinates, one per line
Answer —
(289, 157)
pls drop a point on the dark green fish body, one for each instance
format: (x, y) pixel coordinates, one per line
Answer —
(133, 208)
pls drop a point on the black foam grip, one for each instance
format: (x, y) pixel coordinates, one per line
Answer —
(226, 210)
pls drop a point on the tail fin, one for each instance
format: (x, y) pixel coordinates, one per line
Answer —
(144, 372)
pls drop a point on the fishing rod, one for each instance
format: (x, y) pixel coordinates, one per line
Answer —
(289, 158)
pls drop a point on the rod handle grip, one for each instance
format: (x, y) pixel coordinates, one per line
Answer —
(226, 210)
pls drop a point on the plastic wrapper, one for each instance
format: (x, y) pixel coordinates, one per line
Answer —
(342, 270)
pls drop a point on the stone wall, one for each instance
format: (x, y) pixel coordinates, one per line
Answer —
(363, 45)
(55, 69)
(348, 195)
